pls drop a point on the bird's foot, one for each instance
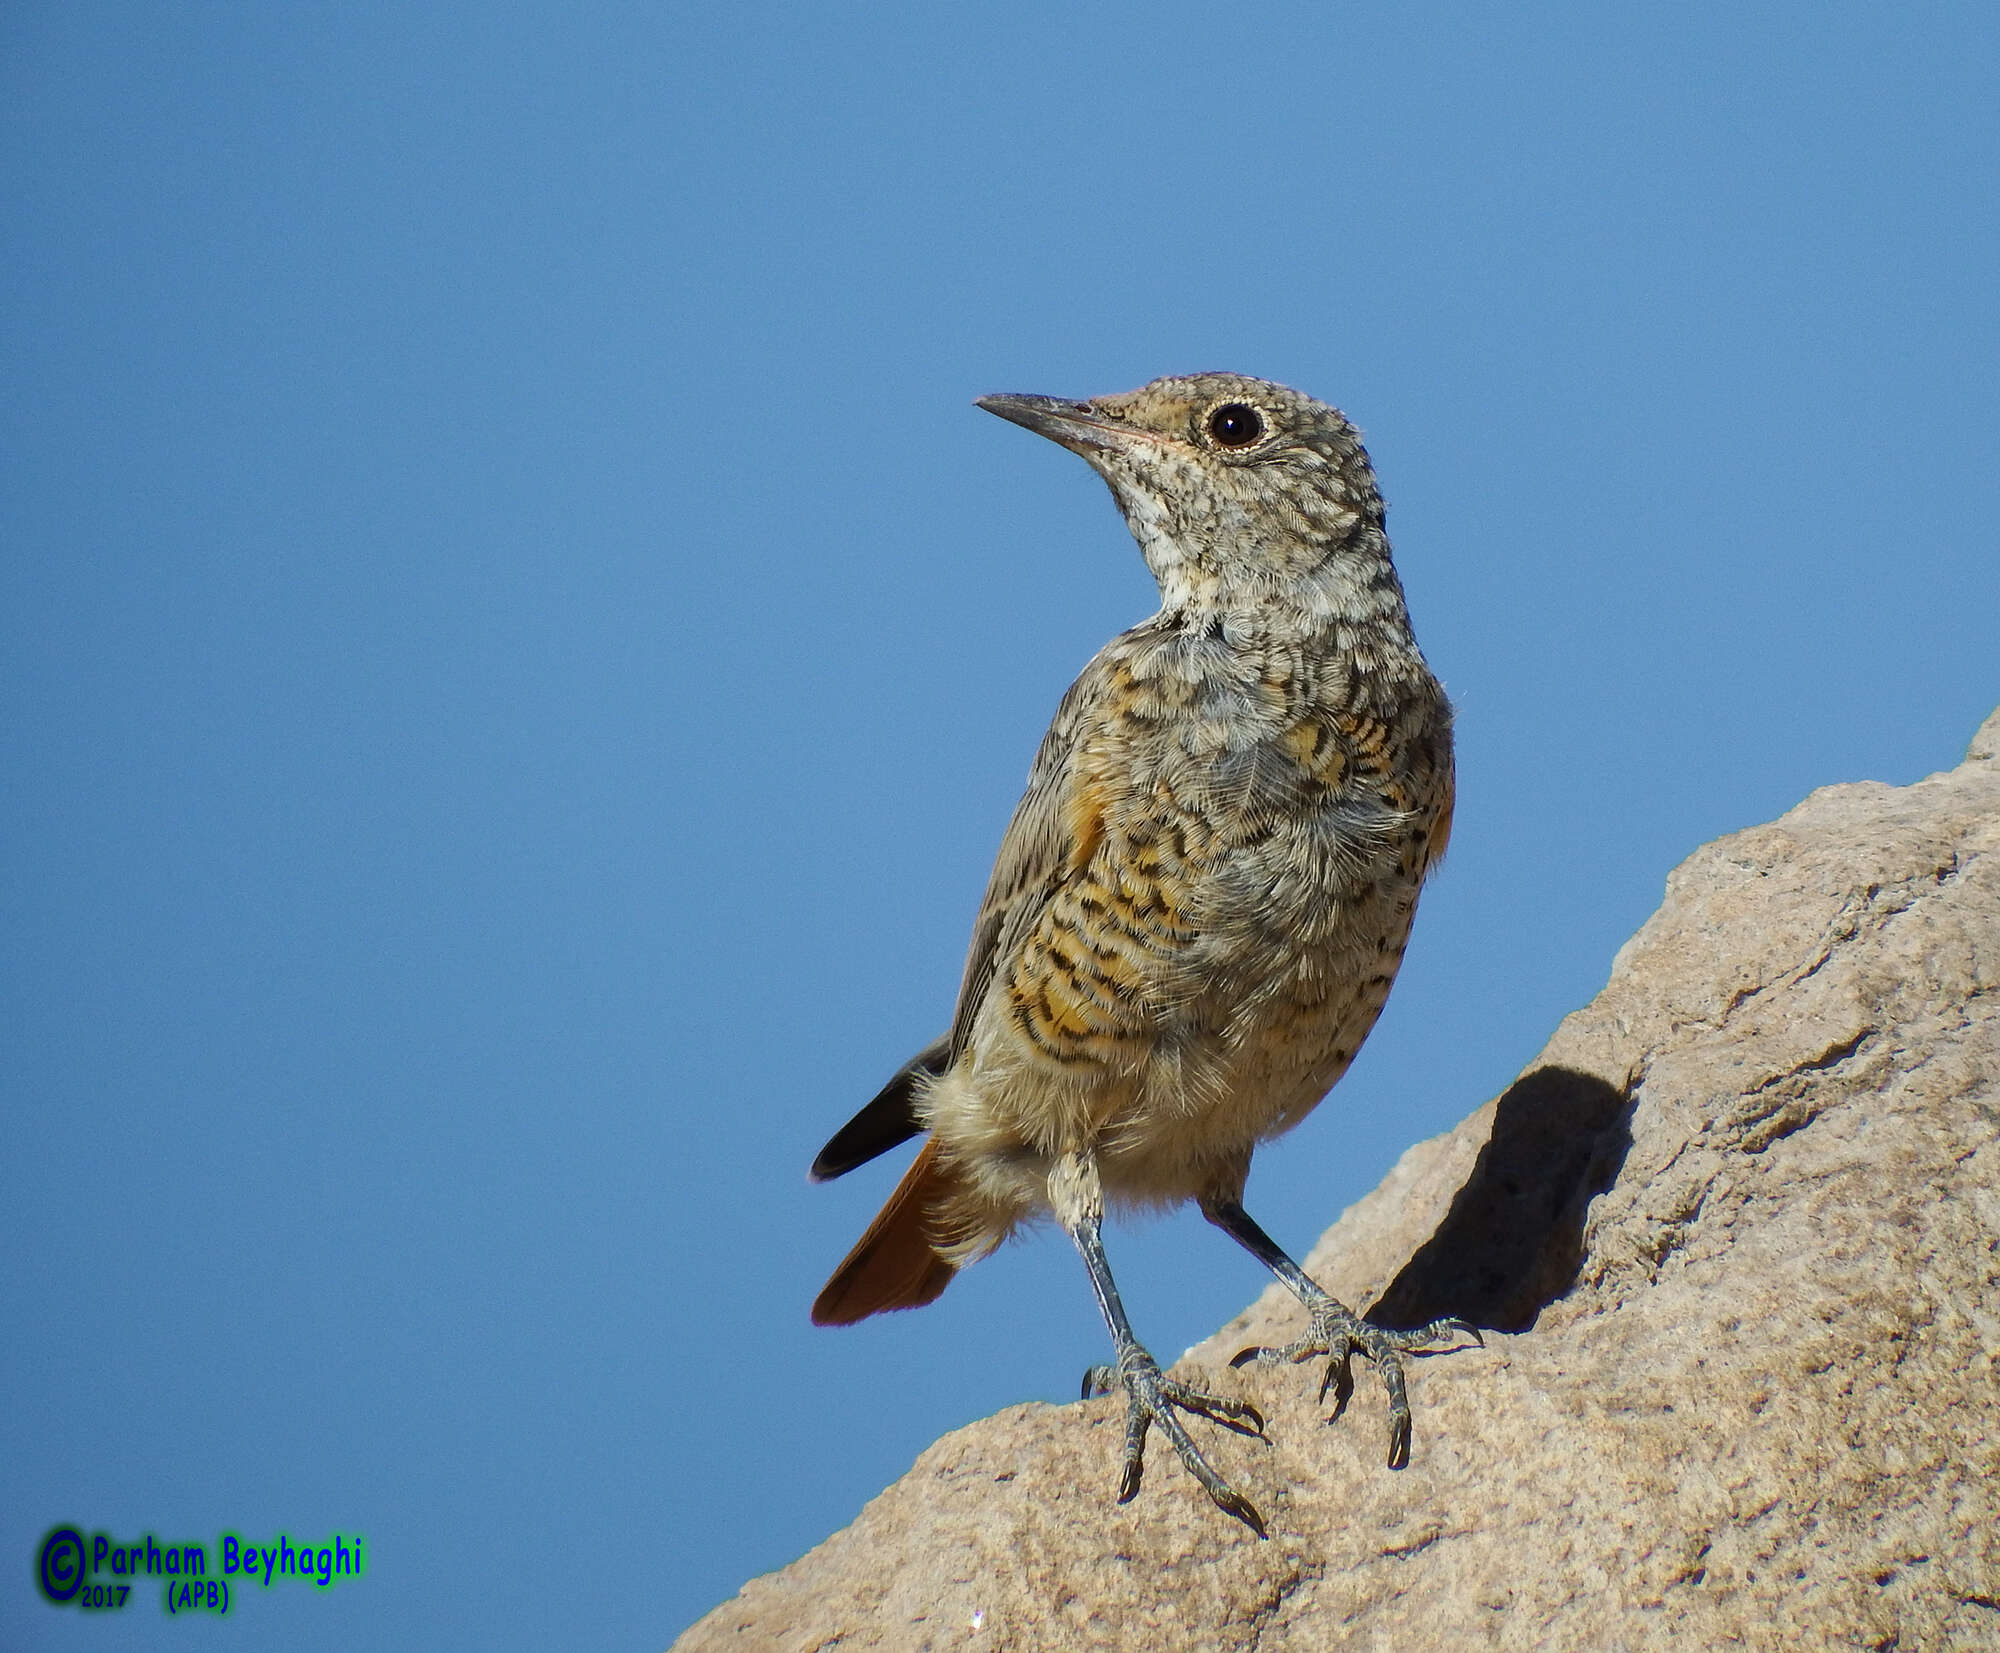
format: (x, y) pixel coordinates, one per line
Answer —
(1150, 1398)
(1338, 1333)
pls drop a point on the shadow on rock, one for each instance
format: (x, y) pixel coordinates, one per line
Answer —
(1513, 1240)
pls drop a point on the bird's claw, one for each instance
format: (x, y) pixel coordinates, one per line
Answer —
(1150, 1398)
(1338, 1333)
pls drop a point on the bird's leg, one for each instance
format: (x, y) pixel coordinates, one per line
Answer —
(1150, 1395)
(1335, 1330)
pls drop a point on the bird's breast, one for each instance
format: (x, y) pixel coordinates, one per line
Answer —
(1239, 844)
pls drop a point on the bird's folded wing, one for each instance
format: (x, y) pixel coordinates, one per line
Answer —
(1040, 849)
(890, 1119)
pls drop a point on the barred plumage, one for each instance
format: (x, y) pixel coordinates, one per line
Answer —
(1203, 897)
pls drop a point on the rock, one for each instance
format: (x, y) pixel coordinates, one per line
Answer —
(1736, 1236)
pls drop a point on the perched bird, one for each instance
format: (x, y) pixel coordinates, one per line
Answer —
(1202, 899)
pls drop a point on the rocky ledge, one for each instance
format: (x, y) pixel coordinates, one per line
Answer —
(1735, 1241)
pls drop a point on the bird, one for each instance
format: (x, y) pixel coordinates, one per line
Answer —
(1200, 903)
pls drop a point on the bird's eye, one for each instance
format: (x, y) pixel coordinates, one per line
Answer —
(1235, 425)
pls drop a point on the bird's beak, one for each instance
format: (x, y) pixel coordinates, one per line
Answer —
(1076, 425)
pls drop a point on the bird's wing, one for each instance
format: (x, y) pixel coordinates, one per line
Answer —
(891, 1118)
(1052, 835)
(1042, 844)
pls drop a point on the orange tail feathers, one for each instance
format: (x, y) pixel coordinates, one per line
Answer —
(893, 1265)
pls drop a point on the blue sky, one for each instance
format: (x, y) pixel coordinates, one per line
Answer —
(518, 651)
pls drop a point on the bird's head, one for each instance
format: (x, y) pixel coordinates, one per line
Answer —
(1236, 489)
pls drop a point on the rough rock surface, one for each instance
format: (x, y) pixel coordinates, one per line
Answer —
(1736, 1238)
